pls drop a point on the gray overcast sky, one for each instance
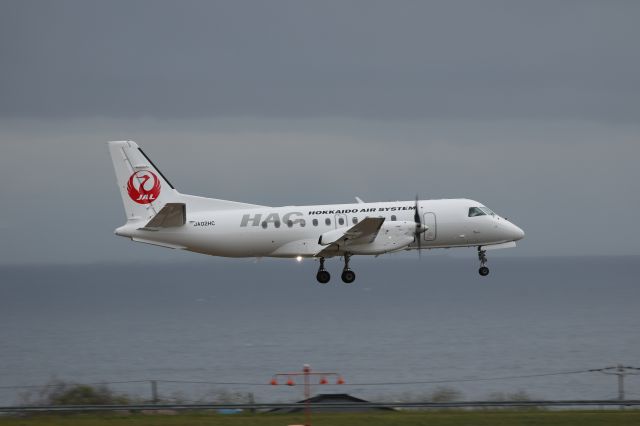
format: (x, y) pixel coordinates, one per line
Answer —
(363, 59)
(530, 107)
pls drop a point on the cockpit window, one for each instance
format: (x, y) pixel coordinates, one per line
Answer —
(487, 211)
(476, 211)
(480, 211)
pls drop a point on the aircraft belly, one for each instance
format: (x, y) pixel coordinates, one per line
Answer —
(238, 244)
(215, 243)
(304, 247)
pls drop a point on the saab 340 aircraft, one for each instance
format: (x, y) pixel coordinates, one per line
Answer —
(158, 214)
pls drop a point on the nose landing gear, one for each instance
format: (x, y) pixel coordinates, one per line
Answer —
(482, 256)
(323, 276)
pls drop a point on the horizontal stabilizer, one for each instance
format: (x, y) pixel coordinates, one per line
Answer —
(171, 215)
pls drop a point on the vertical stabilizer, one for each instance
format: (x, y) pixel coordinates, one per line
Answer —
(143, 187)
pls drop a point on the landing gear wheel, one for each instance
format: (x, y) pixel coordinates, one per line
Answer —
(323, 277)
(482, 257)
(348, 276)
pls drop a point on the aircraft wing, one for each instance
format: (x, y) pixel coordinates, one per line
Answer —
(172, 214)
(363, 232)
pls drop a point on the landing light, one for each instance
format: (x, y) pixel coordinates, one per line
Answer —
(299, 258)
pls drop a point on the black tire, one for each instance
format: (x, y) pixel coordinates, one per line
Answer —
(484, 271)
(348, 276)
(323, 277)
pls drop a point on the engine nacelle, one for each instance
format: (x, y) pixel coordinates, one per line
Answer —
(392, 236)
(331, 237)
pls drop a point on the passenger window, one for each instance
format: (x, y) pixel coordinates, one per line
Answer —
(354, 220)
(341, 221)
(277, 223)
(289, 223)
(264, 225)
(315, 222)
(327, 221)
(393, 217)
(476, 211)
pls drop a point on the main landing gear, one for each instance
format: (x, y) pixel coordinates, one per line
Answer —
(348, 276)
(323, 276)
(482, 256)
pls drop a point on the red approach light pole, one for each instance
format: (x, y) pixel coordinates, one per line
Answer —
(307, 373)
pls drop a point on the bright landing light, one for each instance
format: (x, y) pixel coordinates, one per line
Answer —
(299, 258)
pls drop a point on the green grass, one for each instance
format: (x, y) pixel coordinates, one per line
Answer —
(433, 418)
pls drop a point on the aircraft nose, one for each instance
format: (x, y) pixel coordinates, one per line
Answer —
(517, 233)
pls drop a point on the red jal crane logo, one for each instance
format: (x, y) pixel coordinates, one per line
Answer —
(143, 187)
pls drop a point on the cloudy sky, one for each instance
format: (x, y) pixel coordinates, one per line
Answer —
(532, 108)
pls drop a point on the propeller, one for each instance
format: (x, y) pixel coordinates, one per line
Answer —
(419, 228)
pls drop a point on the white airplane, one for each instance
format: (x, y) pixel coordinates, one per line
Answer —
(158, 214)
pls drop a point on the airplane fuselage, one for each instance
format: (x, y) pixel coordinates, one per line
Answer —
(294, 231)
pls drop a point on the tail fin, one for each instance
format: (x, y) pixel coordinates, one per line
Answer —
(143, 187)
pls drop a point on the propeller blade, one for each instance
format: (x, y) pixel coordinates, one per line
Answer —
(416, 218)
